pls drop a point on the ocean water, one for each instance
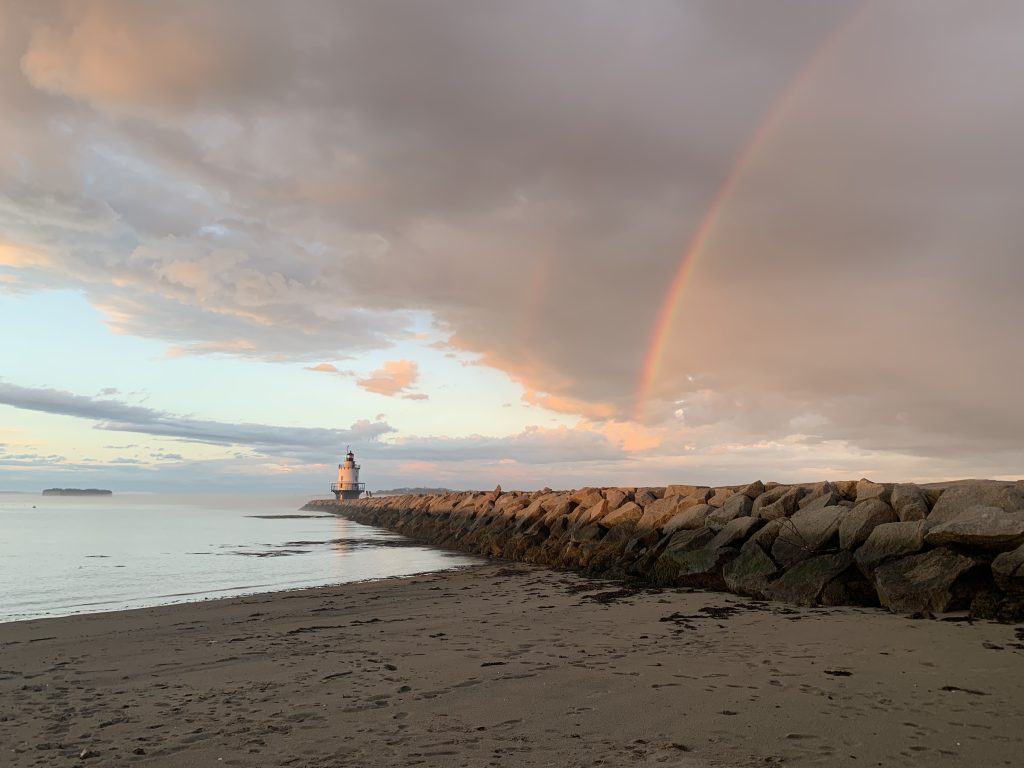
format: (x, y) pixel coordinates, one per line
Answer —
(62, 555)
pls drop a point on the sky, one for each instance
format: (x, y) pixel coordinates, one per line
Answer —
(538, 244)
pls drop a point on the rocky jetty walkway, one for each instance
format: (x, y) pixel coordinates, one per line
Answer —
(908, 548)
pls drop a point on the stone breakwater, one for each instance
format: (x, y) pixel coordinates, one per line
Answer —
(912, 549)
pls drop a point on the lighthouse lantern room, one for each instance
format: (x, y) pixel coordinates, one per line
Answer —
(348, 485)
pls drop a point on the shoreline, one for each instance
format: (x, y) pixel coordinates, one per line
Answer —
(59, 562)
(239, 596)
(507, 664)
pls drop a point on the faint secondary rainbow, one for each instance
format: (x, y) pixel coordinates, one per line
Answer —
(771, 117)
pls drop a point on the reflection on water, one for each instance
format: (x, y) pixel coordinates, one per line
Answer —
(64, 555)
(339, 545)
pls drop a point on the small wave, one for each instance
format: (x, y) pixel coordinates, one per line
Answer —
(356, 543)
(271, 553)
(289, 517)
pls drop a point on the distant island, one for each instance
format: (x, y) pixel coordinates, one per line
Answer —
(405, 491)
(77, 492)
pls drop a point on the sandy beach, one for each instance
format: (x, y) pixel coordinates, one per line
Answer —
(508, 665)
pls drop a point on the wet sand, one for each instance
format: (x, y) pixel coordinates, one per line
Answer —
(508, 665)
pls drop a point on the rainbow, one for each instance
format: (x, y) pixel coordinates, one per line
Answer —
(697, 245)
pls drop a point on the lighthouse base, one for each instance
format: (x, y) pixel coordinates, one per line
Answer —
(347, 491)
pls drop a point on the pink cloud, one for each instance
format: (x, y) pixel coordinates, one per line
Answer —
(108, 55)
(395, 377)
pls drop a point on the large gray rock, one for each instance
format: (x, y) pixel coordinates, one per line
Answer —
(588, 515)
(804, 582)
(642, 541)
(688, 519)
(560, 517)
(735, 532)
(827, 499)
(821, 495)
(721, 496)
(527, 516)
(866, 489)
(558, 505)
(684, 541)
(931, 581)
(909, 502)
(622, 532)
(658, 512)
(588, 533)
(637, 559)
(684, 490)
(1008, 569)
(735, 506)
(698, 497)
(765, 537)
(645, 496)
(750, 572)
(752, 490)
(806, 533)
(982, 527)
(849, 588)
(847, 489)
(767, 497)
(701, 567)
(689, 560)
(975, 493)
(630, 512)
(784, 506)
(857, 524)
(587, 497)
(616, 497)
(887, 541)
(533, 510)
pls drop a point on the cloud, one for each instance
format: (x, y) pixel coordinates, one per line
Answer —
(118, 416)
(394, 377)
(534, 445)
(226, 347)
(115, 54)
(201, 160)
(163, 456)
(28, 459)
(571, 405)
(106, 55)
(235, 179)
(323, 368)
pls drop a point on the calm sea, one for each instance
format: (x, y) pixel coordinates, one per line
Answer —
(61, 555)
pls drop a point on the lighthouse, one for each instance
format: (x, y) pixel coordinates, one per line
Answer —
(348, 485)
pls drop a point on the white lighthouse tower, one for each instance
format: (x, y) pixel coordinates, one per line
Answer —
(348, 485)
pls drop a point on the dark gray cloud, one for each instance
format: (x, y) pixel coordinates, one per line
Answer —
(325, 169)
(118, 416)
(291, 184)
